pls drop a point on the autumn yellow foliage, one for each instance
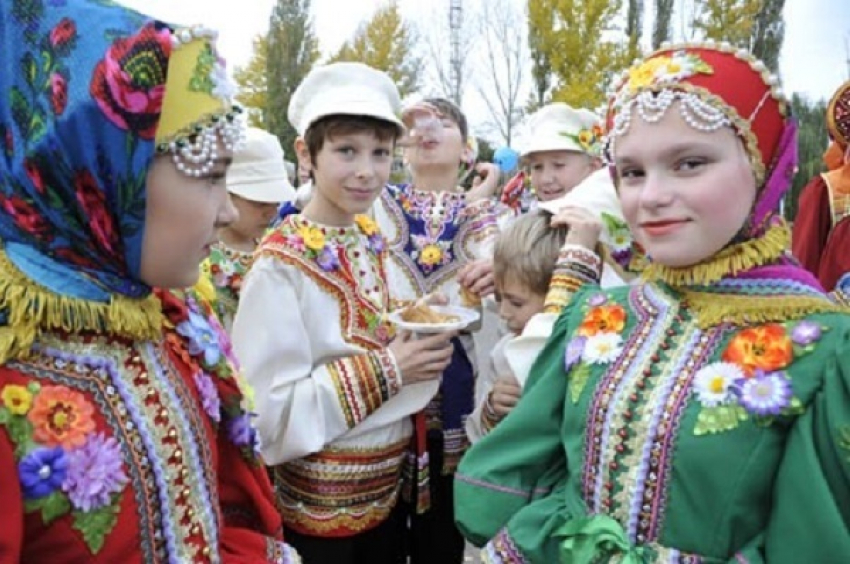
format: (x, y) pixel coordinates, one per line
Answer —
(386, 42)
(581, 46)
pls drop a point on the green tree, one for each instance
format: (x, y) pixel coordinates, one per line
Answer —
(727, 20)
(541, 65)
(634, 27)
(769, 33)
(292, 51)
(661, 27)
(252, 81)
(580, 46)
(812, 142)
(388, 43)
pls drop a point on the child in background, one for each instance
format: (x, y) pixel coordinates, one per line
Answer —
(335, 391)
(526, 256)
(561, 147)
(257, 182)
(433, 232)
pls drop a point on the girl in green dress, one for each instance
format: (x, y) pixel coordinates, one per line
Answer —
(702, 415)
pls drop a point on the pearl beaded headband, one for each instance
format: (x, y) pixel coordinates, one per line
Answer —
(716, 86)
(197, 109)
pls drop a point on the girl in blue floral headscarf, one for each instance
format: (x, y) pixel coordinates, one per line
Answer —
(119, 404)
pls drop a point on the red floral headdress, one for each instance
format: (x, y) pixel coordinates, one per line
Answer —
(838, 115)
(717, 86)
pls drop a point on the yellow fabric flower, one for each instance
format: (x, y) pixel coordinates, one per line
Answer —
(431, 255)
(17, 399)
(366, 225)
(644, 74)
(313, 237)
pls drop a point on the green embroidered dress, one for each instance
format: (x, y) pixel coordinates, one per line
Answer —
(668, 423)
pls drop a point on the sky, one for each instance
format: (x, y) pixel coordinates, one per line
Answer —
(814, 58)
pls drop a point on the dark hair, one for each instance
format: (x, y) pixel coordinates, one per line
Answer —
(332, 126)
(451, 111)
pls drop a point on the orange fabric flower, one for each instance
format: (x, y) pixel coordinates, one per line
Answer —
(61, 417)
(603, 319)
(766, 347)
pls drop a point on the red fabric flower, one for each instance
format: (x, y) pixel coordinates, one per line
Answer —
(129, 83)
(58, 93)
(69, 255)
(26, 217)
(93, 203)
(63, 33)
(34, 175)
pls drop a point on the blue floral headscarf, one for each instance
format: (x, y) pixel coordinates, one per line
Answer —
(78, 112)
(80, 102)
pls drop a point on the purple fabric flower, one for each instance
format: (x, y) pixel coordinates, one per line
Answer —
(202, 338)
(597, 300)
(376, 242)
(805, 333)
(95, 472)
(42, 471)
(241, 431)
(764, 394)
(327, 259)
(224, 342)
(575, 348)
(209, 396)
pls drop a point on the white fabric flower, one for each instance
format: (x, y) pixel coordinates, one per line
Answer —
(713, 383)
(225, 88)
(603, 348)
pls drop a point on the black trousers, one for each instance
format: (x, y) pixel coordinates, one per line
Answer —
(382, 545)
(433, 536)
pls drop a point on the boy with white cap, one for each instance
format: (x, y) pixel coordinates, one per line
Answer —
(257, 183)
(561, 149)
(334, 392)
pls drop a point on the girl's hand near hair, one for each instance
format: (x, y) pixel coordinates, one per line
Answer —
(584, 226)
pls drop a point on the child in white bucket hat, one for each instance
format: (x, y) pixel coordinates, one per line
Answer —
(562, 147)
(257, 182)
(335, 392)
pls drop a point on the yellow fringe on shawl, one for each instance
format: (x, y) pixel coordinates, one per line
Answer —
(712, 308)
(741, 309)
(730, 261)
(31, 309)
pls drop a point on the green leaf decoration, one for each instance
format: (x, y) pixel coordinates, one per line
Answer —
(796, 407)
(38, 127)
(612, 223)
(578, 380)
(201, 80)
(4, 415)
(718, 419)
(96, 524)
(19, 429)
(51, 506)
(46, 61)
(20, 111)
(29, 68)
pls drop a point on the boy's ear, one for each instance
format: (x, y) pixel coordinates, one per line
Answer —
(847, 155)
(595, 163)
(303, 154)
